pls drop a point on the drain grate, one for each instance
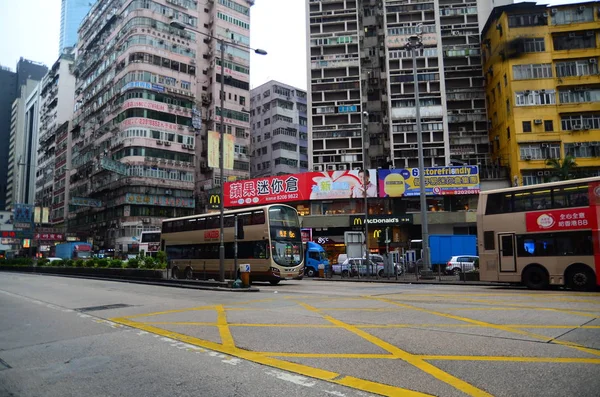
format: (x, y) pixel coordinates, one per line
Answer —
(105, 307)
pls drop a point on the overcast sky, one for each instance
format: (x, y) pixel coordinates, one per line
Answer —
(30, 29)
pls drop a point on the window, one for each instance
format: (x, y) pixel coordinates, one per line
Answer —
(508, 106)
(531, 152)
(489, 241)
(582, 67)
(582, 149)
(242, 100)
(508, 132)
(574, 40)
(526, 126)
(569, 196)
(505, 80)
(532, 71)
(573, 243)
(520, 20)
(534, 45)
(548, 125)
(579, 94)
(585, 121)
(564, 16)
(532, 98)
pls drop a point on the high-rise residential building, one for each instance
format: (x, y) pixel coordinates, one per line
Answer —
(361, 77)
(279, 137)
(57, 90)
(543, 89)
(12, 84)
(139, 144)
(230, 21)
(72, 13)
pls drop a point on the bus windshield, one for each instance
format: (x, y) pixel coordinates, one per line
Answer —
(285, 236)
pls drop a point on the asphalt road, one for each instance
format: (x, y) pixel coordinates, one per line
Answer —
(71, 337)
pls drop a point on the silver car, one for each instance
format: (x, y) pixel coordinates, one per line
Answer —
(460, 264)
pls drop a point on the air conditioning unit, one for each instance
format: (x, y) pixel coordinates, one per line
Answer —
(167, 143)
(572, 35)
(191, 147)
(184, 146)
(545, 145)
(203, 164)
(527, 158)
(554, 11)
(526, 92)
(343, 151)
(592, 60)
(145, 220)
(330, 167)
(581, 9)
(342, 167)
(540, 173)
(158, 142)
(577, 127)
(537, 121)
(318, 168)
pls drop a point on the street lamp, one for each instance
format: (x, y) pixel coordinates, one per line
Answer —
(222, 43)
(414, 43)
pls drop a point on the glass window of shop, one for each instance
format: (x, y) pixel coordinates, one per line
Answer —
(354, 206)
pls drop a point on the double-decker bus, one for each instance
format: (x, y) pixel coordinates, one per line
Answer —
(269, 239)
(541, 235)
(150, 242)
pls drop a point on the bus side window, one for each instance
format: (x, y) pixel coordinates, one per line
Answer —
(489, 242)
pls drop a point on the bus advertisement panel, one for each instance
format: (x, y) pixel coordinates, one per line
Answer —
(268, 239)
(541, 235)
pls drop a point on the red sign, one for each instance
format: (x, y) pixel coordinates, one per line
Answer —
(298, 187)
(569, 219)
(211, 234)
(85, 247)
(49, 236)
(306, 235)
(8, 234)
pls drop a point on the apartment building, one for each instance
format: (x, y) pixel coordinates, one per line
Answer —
(56, 91)
(543, 88)
(133, 149)
(361, 74)
(147, 94)
(229, 21)
(279, 137)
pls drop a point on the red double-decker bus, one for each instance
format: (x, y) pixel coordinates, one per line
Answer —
(541, 235)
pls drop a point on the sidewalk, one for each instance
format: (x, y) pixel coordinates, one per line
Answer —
(412, 280)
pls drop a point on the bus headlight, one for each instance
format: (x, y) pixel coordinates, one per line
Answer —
(275, 271)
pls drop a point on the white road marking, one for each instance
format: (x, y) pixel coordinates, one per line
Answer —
(296, 379)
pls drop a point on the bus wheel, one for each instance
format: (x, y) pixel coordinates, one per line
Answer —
(274, 282)
(189, 274)
(535, 277)
(175, 273)
(580, 278)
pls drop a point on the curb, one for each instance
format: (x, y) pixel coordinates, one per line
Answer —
(162, 283)
(427, 282)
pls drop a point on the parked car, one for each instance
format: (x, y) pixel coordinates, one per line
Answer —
(54, 259)
(461, 263)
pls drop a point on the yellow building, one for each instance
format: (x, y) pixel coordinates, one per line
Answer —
(543, 88)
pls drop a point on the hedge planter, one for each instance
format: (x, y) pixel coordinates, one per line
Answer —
(91, 271)
(470, 276)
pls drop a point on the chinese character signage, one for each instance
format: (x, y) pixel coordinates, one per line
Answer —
(114, 166)
(306, 235)
(438, 181)
(162, 201)
(23, 213)
(86, 202)
(569, 219)
(49, 236)
(300, 187)
(142, 84)
(347, 109)
(213, 150)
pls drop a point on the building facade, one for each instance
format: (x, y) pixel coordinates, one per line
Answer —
(362, 74)
(57, 91)
(72, 13)
(229, 21)
(543, 89)
(279, 137)
(147, 94)
(12, 83)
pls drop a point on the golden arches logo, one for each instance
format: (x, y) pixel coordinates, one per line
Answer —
(358, 221)
(215, 199)
(377, 233)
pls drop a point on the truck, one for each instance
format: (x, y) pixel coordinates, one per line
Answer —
(74, 250)
(315, 256)
(441, 248)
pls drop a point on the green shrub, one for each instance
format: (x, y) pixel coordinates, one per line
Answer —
(79, 263)
(92, 262)
(69, 263)
(102, 263)
(161, 256)
(116, 263)
(43, 262)
(16, 262)
(476, 263)
(133, 263)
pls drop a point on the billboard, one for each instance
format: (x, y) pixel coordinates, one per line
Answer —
(570, 219)
(85, 202)
(300, 187)
(438, 181)
(213, 150)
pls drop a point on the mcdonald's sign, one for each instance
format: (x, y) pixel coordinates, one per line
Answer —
(356, 221)
(214, 201)
(377, 233)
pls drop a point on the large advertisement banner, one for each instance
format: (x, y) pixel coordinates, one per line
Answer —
(300, 187)
(438, 181)
(569, 219)
(214, 153)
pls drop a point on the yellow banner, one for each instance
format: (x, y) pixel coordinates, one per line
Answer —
(213, 150)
